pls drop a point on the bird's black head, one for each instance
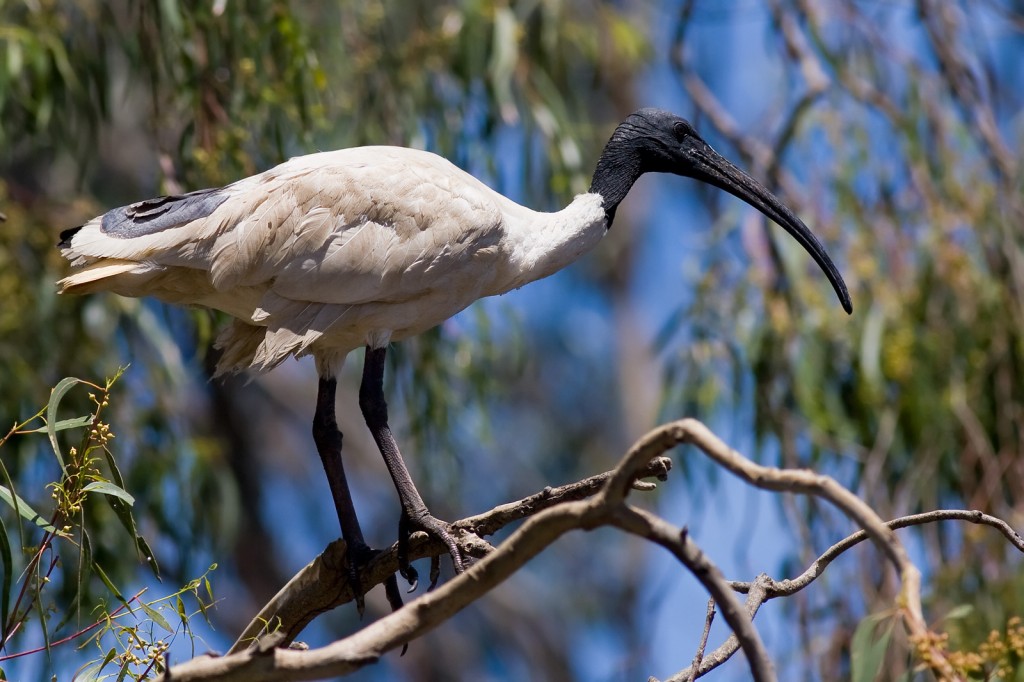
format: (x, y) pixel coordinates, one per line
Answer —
(657, 141)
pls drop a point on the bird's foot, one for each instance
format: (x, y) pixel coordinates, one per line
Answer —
(359, 557)
(435, 528)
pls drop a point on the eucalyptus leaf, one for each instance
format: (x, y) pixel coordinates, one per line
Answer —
(867, 651)
(156, 617)
(108, 488)
(22, 507)
(56, 395)
(64, 424)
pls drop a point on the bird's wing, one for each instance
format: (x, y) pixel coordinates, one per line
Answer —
(346, 227)
(382, 228)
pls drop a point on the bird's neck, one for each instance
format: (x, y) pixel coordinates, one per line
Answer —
(536, 245)
(617, 170)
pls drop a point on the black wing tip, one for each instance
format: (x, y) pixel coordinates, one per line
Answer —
(67, 235)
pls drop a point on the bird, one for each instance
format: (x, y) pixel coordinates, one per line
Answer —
(335, 251)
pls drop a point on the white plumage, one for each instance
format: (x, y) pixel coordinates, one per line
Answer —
(326, 252)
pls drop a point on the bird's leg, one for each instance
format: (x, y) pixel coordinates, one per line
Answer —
(414, 512)
(328, 443)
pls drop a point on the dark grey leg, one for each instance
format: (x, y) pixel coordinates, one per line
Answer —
(415, 515)
(328, 441)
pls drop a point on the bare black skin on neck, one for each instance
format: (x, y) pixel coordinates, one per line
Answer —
(657, 141)
(646, 142)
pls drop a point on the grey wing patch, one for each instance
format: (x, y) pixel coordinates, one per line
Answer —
(162, 213)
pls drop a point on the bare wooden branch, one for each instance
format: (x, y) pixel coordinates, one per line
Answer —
(785, 588)
(699, 656)
(494, 520)
(677, 541)
(755, 597)
(323, 584)
(607, 507)
(554, 512)
(415, 619)
(764, 587)
(797, 481)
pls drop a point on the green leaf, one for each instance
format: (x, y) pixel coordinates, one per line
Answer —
(180, 605)
(148, 555)
(64, 424)
(110, 585)
(123, 511)
(115, 473)
(867, 653)
(124, 515)
(108, 658)
(92, 672)
(23, 508)
(40, 609)
(156, 617)
(56, 395)
(959, 612)
(108, 488)
(23, 542)
(81, 578)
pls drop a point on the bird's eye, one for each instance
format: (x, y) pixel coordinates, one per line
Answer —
(682, 130)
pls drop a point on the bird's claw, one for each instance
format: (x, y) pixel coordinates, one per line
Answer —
(359, 557)
(435, 528)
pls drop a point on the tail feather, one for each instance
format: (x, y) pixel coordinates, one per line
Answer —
(238, 342)
(90, 277)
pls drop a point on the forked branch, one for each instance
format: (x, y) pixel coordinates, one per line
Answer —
(591, 503)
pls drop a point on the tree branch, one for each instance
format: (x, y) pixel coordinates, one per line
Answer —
(699, 656)
(785, 588)
(607, 507)
(811, 483)
(592, 503)
(756, 596)
(323, 584)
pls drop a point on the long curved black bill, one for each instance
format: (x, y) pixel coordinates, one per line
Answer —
(714, 169)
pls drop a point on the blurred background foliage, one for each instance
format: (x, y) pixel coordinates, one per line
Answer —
(892, 128)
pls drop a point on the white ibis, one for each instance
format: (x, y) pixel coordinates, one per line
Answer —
(361, 247)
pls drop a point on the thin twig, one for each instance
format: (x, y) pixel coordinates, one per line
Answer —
(765, 588)
(755, 597)
(785, 588)
(75, 635)
(699, 656)
(646, 524)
